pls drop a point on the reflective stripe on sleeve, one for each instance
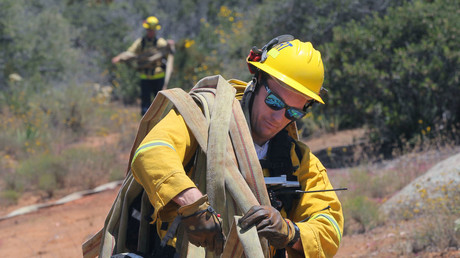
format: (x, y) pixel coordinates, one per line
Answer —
(332, 221)
(150, 145)
(152, 77)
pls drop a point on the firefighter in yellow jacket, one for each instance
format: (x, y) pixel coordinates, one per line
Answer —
(288, 78)
(151, 54)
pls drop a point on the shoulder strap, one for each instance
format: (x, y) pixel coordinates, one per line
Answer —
(142, 43)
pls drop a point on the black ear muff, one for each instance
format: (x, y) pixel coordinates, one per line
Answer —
(254, 56)
(322, 93)
(260, 55)
(271, 43)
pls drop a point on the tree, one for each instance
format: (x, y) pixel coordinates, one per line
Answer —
(397, 72)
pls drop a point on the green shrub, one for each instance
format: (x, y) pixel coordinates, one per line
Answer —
(9, 197)
(42, 172)
(48, 183)
(117, 173)
(89, 167)
(397, 74)
(436, 215)
(126, 84)
(361, 202)
(435, 233)
(76, 168)
(38, 47)
(310, 20)
(361, 210)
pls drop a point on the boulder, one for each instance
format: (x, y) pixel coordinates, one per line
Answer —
(441, 182)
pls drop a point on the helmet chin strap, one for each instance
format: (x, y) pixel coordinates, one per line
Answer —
(248, 98)
(258, 55)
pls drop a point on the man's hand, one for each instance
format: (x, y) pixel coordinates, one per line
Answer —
(271, 225)
(172, 45)
(202, 225)
(115, 60)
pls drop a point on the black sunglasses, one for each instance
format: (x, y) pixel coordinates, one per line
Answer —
(275, 102)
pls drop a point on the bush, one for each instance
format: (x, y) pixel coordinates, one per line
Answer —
(74, 169)
(397, 74)
(126, 84)
(214, 50)
(309, 20)
(359, 209)
(37, 42)
(436, 215)
(88, 167)
(42, 172)
(9, 197)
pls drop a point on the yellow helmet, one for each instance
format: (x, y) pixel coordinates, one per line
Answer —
(293, 62)
(151, 23)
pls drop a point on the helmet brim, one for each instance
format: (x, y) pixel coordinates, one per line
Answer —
(287, 80)
(147, 26)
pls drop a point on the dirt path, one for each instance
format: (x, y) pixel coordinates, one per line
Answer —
(59, 231)
(56, 231)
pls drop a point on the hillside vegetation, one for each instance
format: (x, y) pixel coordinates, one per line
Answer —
(391, 68)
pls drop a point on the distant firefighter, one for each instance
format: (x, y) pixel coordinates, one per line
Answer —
(153, 58)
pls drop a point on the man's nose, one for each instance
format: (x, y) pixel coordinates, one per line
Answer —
(278, 115)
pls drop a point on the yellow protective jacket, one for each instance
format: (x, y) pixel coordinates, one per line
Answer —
(144, 49)
(158, 165)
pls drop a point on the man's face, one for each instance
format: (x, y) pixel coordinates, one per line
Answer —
(150, 33)
(266, 122)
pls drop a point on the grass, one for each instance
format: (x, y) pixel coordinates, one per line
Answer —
(437, 212)
(44, 140)
(9, 197)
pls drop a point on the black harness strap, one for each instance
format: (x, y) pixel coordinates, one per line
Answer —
(279, 162)
(144, 42)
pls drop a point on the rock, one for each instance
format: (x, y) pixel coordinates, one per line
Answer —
(441, 181)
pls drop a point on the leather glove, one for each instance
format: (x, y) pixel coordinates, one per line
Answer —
(270, 224)
(202, 225)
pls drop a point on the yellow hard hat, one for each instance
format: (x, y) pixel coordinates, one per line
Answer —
(151, 23)
(293, 62)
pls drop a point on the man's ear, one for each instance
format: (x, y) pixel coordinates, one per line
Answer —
(257, 80)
